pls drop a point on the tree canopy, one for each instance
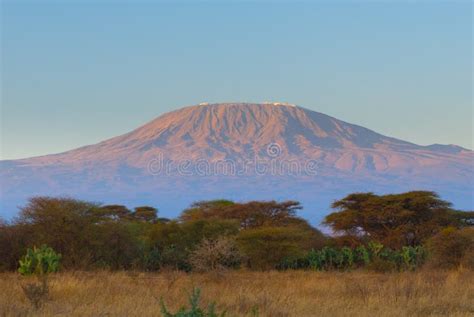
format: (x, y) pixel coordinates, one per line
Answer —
(394, 220)
(251, 214)
(255, 234)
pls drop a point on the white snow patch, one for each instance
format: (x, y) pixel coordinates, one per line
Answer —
(279, 104)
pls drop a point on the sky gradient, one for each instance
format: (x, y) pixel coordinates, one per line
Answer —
(76, 74)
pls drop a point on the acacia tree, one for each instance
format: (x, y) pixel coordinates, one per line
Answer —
(394, 220)
(115, 212)
(252, 214)
(205, 209)
(145, 214)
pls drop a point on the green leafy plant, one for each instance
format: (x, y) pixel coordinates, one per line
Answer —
(374, 257)
(348, 257)
(412, 257)
(375, 248)
(362, 255)
(194, 310)
(314, 260)
(38, 262)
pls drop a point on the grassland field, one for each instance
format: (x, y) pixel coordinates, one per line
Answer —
(245, 293)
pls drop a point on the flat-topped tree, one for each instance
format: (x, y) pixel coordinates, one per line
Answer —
(145, 214)
(249, 215)
(394, 220)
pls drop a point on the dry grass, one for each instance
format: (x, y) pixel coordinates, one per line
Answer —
(293, 293)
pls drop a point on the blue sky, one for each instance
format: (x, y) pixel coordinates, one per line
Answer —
(80, 72)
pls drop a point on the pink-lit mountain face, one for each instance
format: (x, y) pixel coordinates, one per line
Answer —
(175, 156)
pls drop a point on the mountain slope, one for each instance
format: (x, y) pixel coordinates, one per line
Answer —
(239, 133)
(242, 131)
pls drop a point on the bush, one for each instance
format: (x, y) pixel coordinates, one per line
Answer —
(362, 255)
(13, 242)
(65, 224)
(194, 310)
(38, 262)
(329, 258)
(215, 255)
(152, 260)
(269, 247)
(175, 241)
(382, 266)
(374, 257)
(451, 247)
(412, 257)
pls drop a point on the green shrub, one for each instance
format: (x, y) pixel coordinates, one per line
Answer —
(412, 257)
(362, 255)
(152, 260)
(194, 310)
(348, 257)
(314, 260)
(375, 257)
(38, 262)
(329, 258)
(374, 249)
(268, 247)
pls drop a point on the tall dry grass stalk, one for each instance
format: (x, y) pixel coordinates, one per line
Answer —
(240, 293)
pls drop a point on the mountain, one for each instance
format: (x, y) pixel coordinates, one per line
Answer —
(241, 151)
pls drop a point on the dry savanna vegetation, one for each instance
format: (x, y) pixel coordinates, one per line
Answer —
(244, 293)
(407, 254)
